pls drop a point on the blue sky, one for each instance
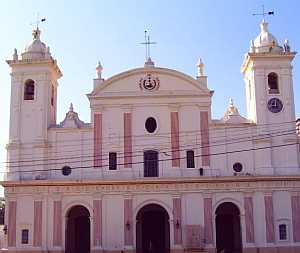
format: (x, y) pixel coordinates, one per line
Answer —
(80, 33)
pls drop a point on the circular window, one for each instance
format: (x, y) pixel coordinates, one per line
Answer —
(151, 125)
(237, 167)
(66, 170)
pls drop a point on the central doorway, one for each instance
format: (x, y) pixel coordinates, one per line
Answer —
(78, 230)
(152, 230)
(228, 228)
(151, 163)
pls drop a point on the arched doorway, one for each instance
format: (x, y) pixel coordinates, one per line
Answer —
(78, 230)
(228, 228)
(152, 230)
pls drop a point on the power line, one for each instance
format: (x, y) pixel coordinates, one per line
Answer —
(90, 144)
(237, 140)
(57, 163)
(166, 134)
(159, 160)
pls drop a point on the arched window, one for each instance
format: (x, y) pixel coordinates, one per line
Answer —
(29, 90)
(273, 83)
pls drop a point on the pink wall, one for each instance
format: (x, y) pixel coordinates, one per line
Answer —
(175, 139)
(204, 127)
(127, 140)
(295, 201)
(194, 236)
(248, 205)
(11, 229)
(97, 222)
(208, 225)
(128, 231)
(269, 217)
(38, 224)
(57, 223)
(177, 218)
(97, 140)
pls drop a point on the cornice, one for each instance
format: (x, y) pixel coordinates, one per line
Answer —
(165, 181)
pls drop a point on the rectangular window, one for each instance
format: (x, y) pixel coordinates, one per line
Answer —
(190, 159)
(112, 160)
(283, 232)
(25, 233)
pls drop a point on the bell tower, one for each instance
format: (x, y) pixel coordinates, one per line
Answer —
(267, 70)
(33, 92)
(33, 105)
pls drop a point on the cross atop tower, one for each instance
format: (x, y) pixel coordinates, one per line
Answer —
(37, 21)
(263, 13)
(147, 44)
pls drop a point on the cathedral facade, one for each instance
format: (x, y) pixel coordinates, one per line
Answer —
(152, 171)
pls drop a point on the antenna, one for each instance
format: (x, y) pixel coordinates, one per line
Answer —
(263, 13)
(147, 44)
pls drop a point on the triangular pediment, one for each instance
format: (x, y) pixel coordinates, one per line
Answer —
(150, 81)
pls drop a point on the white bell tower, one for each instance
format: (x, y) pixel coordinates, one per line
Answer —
(34, 78)
(267, 70)
(33, 92)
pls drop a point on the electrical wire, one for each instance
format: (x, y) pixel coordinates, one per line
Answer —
(136, 145)
(234, 141)
(159, 160)
(199, 155)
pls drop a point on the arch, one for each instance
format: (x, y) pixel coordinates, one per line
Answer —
(152, 229)
(68, 206)
(273, 83)
(228, 228)
(157, 202)
(237, 203)
(29, 90)
(78, 227)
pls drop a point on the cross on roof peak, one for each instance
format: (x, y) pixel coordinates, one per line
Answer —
(263, 13)
(37, 21)
(147, 44)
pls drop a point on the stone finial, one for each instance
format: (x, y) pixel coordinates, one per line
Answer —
(99, 69)
(36, 33)
(71, 108)
(286, 46)
(149, 63)
(15, 55)
(252, 48)
(200, 66)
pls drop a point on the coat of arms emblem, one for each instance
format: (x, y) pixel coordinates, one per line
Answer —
(149, 82)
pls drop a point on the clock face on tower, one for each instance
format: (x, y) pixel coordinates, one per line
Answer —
(275, 105)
